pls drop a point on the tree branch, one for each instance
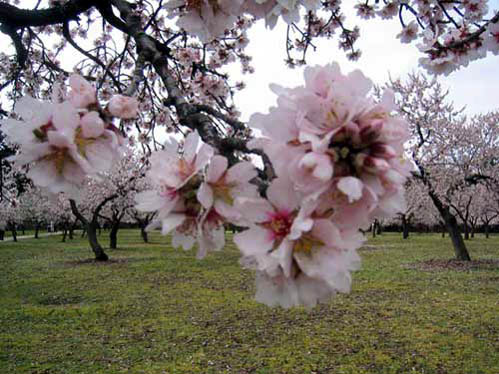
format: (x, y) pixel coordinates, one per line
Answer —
(17, 18)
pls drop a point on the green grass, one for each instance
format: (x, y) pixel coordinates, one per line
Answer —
(159, 310)
(8, 233)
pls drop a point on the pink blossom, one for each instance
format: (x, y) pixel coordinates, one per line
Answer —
(124, 107)
(181, 205)
(82, 93)
(92, 125)
(333, 130)
(174, 177)
(61, 143)
(223, 186)
(409, 32)
(283, 235)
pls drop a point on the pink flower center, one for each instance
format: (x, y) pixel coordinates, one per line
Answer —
(280, 224)
(169, 192)
(58, 156)
(41, 132)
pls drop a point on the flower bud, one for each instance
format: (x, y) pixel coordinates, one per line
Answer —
(371, 132)
(92, 125)
(382, 150)
(124, 107)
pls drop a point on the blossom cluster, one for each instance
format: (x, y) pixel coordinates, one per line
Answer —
(194, 193)
(338, 157)
(449, 43)
(68, 139)
(338, 160)
(209, 19)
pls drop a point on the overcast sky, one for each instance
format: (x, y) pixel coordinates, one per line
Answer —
(476, 86)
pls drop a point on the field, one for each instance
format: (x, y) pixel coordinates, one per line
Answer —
(156, 310)
(8, 233)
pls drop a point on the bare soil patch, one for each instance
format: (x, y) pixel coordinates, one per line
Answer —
(370, 247)
(91, 261)
(456, 265)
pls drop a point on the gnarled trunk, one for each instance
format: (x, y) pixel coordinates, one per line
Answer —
(12, 228)
(466, 231)
(114, 227)
(456, 238)
(113, 235)
(144, 235)
(100, 255)
(91, 228)
(72, 229)
(37, 229)
(452, 228)
(405, 227)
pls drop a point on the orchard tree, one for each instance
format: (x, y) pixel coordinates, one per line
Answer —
(487, 208)
(451, 152)
(125, 178)
(463, 206)
(332, 155)
(142, 219)
(61, 214)
(9, 216)
(107, 198)
(416, 199)
(34, 209)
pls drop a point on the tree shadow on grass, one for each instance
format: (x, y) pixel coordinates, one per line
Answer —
(111, 262)
(452, 264)
(372, 247)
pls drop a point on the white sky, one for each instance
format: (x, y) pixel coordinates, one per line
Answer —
(476, 86)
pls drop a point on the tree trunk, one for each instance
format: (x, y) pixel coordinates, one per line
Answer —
(405, 234)
(72, 230)
(91, 229)
(466, 231)
(13, 230)
(2, 234)
(405, 227)
(456, 238)
(113, 235)
(64, 234)
(452, 228)
(373, 229)
(143, 233)
(487, 230)
(100, 255)
(37, 228)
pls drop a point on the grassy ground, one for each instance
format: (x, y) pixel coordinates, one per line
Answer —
(159, 310)
(8, 233)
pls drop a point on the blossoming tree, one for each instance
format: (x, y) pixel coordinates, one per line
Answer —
(332, 155)
(451, 152)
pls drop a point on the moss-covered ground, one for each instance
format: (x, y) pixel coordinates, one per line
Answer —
(159, 310)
